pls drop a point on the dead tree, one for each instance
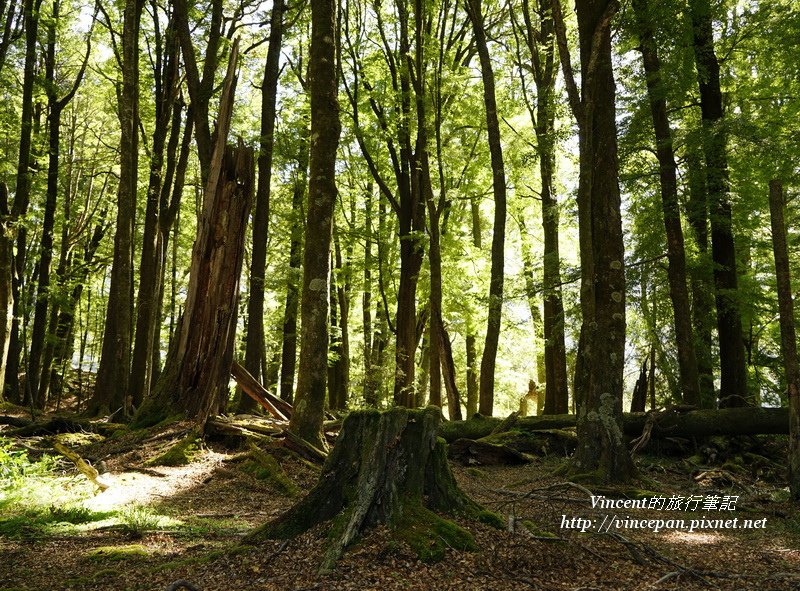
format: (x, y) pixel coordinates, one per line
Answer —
(197, 370)
(386, 468)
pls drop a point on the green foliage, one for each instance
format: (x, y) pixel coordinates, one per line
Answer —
(137, 520)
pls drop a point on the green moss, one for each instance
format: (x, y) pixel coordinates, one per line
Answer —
(180, 454)
(130, 552)
(429, 535)
(477, 473)
(77, 439)
(263, 466)
(536, 530)
(491, 518)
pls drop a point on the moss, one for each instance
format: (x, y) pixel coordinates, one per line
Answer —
(477, 473)
(536, 530)
(263, 466)
(180, 454)
(491, 518)
(130, 552)
(429, 535)
(77, 439)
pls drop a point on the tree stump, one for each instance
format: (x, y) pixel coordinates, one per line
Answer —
(386, 468)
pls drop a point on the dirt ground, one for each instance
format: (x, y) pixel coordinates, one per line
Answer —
(156, 525)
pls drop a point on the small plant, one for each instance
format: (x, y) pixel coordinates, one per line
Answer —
(137, 520)
(15, 466)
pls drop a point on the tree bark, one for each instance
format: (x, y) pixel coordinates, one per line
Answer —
(196, 374)
(111, 388)
(733, 369)
(788, 333)
(601, 349)
(386, 468)
(6, 276)
(486, 396)
(702, 282)
(289, 339)
(254, 340)
(152, 259)
(325, 128)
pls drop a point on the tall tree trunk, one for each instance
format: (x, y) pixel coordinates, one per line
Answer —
(679, 294)
(151, 262)
(289, 339)
(6, 275)
(788, 334)
(325, 128)
(22, 192)
(472, 375)
(111, 388)
(601, 349)
(733, 369)
(197, 371)
(411, 217)
(486, 399)
(366, 293)
(541, 44)
(255, 344)
(702, 282)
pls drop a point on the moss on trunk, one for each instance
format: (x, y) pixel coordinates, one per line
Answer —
(386, 468)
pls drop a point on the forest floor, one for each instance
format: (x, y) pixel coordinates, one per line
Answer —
(155, 525)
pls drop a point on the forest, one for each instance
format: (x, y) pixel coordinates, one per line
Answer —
(399, 294)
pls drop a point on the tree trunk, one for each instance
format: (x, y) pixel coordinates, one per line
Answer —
(195, 377)
(22, 192)
(486, 397)
(254, 341)
(472, 375)
(702, 282)
(541, 44)
(151, 262)
(289, 339)
(733, 369)
(676, 271)
(601, 348)
(6, 275)
(111, 389)
(325, 128)
(386, 468)
(788, 334)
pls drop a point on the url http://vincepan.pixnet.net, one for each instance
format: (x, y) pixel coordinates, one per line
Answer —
(717, 513)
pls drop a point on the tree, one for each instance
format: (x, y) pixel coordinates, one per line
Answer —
(487, 375)
(733, 370)
(540, 42)
(197, 371)
(679, 294)
(325, 128)
(788, 334)
(113, 375)
(601, 351)
(254, 341)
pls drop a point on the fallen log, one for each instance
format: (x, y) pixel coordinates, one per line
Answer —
(280, 409)
(696, 423)
(481, 453)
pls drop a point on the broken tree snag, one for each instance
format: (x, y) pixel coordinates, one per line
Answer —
(280, 409)
(675, 423)
(197, 370)
(386, 468)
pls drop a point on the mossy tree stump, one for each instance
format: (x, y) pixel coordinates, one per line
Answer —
(386, 468)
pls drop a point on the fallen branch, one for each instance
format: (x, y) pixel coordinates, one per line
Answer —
(87, 470)
(303, 447)
(280, 409)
